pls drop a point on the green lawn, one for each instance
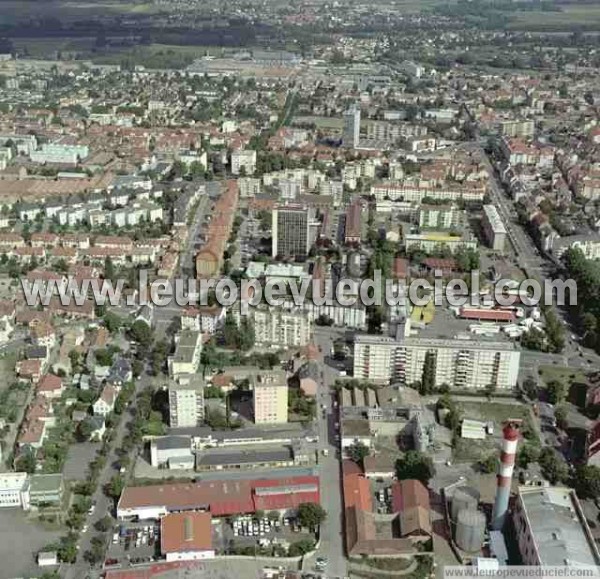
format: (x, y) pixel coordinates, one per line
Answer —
(562, 373)
(575, 15)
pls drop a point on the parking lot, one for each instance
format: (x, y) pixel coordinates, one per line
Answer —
(382, 497)
(263, 536)
(135, 543)
(20, 541)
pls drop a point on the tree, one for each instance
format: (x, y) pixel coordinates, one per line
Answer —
(415, 465)
(557, 391)
(301, 547)
(104, 524)
(553, 466)
(112, 322)
(85, 429)
(311, 515)
(357, 452)
(528, 452)
(587, 481)
(489, 464)
(530, 386)
(142, 333)
(560, 413)
(428, 377)
(115, 487)
(109, 268)
(273, 516)
(26, 463)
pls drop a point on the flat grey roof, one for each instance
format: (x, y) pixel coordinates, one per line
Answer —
(243, 457)
(557, 529)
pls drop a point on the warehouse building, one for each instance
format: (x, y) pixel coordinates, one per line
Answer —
(221, 498)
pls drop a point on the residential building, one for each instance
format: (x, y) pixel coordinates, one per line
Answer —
(430, 242)
(14, 490)
(106, 402)
(375, 358)
(589, 244)
(56, 153)
(290, 231)
(440, 216)
(461, 364)
(551, 528)
(186, 358)
(243, 162)
(353, 223)
(281, 328)
(351, 134)
(270, 398)
(186, 403)
(493, 228)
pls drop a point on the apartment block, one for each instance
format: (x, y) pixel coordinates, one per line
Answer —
(290, 229)
(432, 241)
(243, 162)
(270, 398)
(461, 364)
(186, 402)
(285, 329)
(375, 358)
(186, 358)
(440, 217)
(493, 228)
(351, 135)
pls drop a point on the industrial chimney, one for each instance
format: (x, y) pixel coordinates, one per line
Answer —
(510, 439)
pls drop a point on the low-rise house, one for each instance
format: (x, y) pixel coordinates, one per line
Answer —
(44, 335)
(106, 402)
(30, 370)
(50, 386)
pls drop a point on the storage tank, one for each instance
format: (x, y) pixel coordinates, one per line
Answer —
(470, 530)
(463, 498)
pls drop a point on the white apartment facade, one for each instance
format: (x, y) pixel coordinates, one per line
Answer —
(494, 228)
(14, 490)
(186, 404)
(375, 358)
(243, 159)
(461, 364)
(270, 398)
(276, 327)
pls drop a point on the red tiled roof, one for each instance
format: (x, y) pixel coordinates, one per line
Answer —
(49, 383)
(357, 492)
(222, 498)
(182, 532)
(488, 315)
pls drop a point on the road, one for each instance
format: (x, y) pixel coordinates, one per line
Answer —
(104, 504)
(332, 541)
(535, 266)
(164, 316)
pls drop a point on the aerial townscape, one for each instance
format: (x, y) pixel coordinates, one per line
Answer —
(444, 151)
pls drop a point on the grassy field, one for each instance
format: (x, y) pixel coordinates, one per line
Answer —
(586, 15)
(160, 55)
(495, 412)
(320, 122)
(562, 373)
(17, 11)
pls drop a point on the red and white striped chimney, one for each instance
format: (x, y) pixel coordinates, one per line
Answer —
(510, 439)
